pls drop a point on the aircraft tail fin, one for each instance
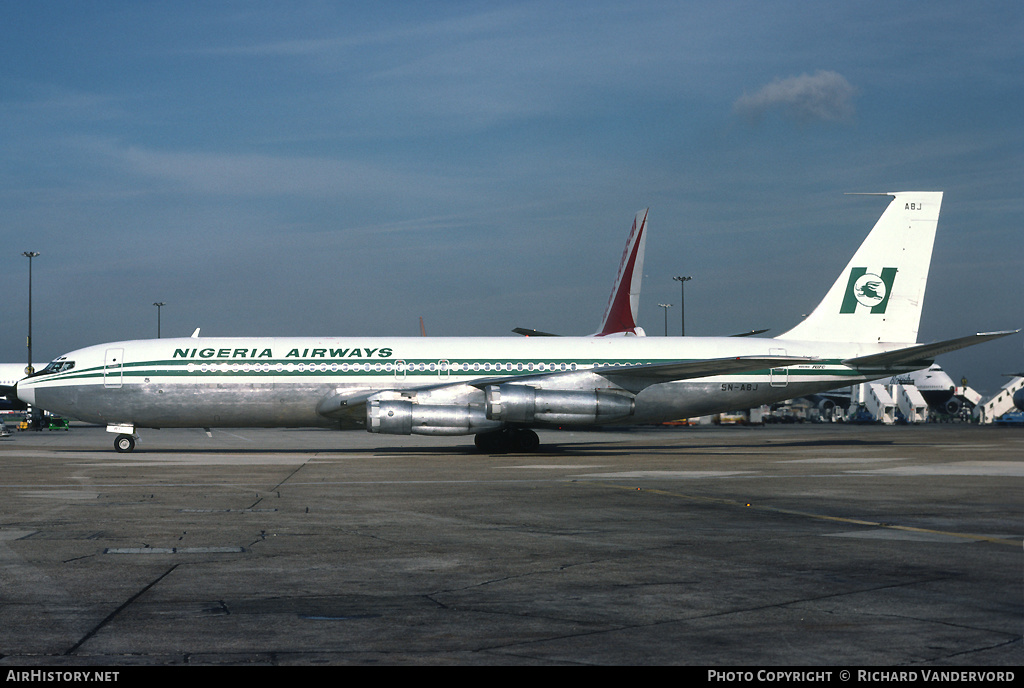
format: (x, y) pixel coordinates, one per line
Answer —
(624, 303)
(879, 295)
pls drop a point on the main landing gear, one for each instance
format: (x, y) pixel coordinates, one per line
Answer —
(508, 440)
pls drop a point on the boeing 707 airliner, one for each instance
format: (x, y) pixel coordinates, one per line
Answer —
(502, 389)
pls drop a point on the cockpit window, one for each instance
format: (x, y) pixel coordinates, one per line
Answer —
(58, 366)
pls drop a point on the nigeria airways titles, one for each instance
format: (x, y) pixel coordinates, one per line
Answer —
(258, 353)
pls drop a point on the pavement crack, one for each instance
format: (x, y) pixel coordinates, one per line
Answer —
(985, 648)
(110, 617)
(277, 487)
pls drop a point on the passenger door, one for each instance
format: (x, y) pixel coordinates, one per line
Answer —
(778, 377)
(113, 368)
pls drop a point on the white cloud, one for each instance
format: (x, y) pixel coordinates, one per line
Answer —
(820, 97)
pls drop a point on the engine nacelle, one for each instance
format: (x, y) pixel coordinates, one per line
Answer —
(826, 406)
(524, 404)
(399, 417)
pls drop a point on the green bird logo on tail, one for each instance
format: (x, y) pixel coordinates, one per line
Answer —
(869, 290)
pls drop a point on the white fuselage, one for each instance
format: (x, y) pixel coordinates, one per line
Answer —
(289, 382)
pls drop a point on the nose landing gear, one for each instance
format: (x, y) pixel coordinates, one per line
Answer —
(124, 443)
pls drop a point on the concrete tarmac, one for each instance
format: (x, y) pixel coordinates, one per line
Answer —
(720, 547)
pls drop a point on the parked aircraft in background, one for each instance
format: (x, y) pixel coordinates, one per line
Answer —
(944, 396)
(10, 373)
(500, 389)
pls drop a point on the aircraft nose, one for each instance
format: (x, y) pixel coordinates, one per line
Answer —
(26, 394)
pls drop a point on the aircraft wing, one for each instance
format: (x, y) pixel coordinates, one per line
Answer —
(923, 353)
(685, 370)
(533, 333)
(349, 402)
(345, 402)
(664, 372)
(538, 333)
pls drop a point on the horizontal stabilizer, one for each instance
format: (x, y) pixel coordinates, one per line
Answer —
(923, 353)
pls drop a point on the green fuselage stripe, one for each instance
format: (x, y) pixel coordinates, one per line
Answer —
(443, 368)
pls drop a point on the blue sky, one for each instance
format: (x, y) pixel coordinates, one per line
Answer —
(334, 168)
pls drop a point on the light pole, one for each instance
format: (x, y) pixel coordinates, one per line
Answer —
(666, 306)
(159, 305)
(682, 305)
(30, 255)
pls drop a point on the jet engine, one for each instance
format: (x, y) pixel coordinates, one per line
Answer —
(524, 404)
(399, 417)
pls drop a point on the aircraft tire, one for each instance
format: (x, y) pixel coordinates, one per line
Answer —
(493, 442)
(525, 440)
(506, 440)
(124, 444)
